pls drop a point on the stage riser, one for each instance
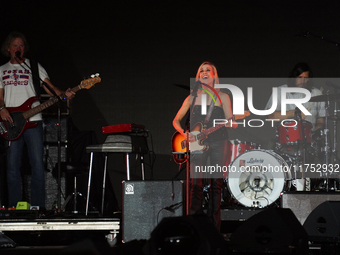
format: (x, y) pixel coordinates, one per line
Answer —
(52, 232)
(302, 204)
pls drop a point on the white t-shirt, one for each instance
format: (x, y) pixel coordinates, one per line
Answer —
(18, 84)
(317, 108)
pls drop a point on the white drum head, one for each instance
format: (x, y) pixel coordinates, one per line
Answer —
(256, 178)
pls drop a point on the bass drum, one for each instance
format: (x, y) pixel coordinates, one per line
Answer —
(256, 178)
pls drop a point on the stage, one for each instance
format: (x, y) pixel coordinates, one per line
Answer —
(32, 232)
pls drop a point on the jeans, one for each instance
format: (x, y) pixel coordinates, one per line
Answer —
(33, 137)
(217, 153)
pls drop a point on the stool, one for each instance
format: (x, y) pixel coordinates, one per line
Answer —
(116, 144)
(75, 169)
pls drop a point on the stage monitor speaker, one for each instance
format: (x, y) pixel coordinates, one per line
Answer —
(303, 203)
(323, 224)
(274, 230)
(146, 203)
(193, 234)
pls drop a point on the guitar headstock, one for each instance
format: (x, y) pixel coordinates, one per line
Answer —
(88, 83)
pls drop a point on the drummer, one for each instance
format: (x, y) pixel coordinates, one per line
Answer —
(301, 72)
(300, 77)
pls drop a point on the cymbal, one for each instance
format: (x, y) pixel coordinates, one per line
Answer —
(183, 86)
(322, 98)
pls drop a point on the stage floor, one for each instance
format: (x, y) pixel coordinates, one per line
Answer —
(58, 233)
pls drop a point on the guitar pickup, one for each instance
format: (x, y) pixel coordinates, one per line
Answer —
(184, 144)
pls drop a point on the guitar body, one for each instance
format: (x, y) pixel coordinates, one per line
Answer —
(197, 146)
(179, 148)
(178, 141)
(178, 144)
(12, 131)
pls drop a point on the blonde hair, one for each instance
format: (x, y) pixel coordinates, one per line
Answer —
(216, 80)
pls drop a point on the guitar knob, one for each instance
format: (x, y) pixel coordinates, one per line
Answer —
(97, 74)
(92, 76)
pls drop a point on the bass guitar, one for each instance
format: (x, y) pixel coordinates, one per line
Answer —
(22, 113)
(179, 142)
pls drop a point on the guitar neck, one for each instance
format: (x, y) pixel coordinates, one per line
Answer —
(45, 105)
(39, 108)
(209, 131)
(76, 89)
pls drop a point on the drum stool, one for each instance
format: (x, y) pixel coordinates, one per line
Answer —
(74, 169)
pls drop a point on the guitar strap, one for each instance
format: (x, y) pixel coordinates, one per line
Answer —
(211, 108)
(35, 76)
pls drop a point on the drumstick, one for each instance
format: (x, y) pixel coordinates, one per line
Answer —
(321, 89)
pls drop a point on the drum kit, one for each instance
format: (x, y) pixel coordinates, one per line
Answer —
(301, 161)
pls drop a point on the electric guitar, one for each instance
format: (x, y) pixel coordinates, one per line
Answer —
(22, 113)
(179, 142)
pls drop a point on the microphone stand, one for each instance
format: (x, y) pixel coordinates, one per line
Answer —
(58, 143)
(187, 184)
(17, 56)
(194, 94)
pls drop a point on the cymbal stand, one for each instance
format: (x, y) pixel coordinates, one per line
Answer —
(304, 145)
(303, 159)
(327, 147)
(335, 128)
(334, 149)
(59, 155)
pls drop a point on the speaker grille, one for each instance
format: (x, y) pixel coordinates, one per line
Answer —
(323, 224)
(146, 203)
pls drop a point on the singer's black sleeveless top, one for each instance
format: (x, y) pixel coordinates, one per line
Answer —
(218, 113)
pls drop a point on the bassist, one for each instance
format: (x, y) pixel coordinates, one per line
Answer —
(16, 86)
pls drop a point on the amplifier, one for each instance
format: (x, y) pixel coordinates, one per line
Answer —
(50, 126)
(146, 203)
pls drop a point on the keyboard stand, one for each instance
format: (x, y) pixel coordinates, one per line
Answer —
(116, 143)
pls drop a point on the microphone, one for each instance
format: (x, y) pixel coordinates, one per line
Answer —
(17, 55)
(172, 208)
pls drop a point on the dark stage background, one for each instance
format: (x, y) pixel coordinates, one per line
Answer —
(142, 48)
